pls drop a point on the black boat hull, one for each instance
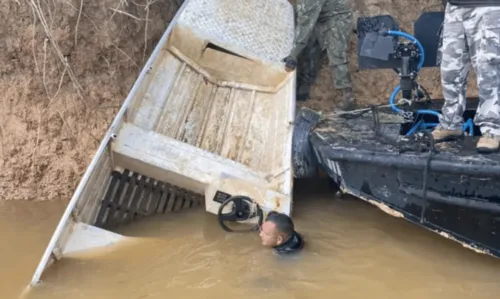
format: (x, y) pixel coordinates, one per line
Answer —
(460, 201)
(448, 188)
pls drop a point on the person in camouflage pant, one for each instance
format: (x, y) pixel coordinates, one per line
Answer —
(471, 35)
(322, 25)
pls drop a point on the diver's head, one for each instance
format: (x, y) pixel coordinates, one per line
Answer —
(276, 230)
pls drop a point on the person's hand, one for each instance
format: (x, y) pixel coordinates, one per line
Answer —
(290, 63)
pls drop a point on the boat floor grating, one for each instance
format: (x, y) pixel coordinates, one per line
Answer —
(130, 196)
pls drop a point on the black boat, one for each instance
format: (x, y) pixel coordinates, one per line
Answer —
(385, 154)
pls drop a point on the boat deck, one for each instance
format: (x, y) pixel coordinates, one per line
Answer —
(239, 123)
(355, 138)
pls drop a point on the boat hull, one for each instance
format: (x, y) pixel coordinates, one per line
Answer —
(454, 192)
(209, 117)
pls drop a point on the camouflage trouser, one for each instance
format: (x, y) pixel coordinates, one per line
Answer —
(471, 36)
(332, 35)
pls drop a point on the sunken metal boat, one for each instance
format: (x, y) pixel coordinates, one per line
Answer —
(208, 122)
(385, 154)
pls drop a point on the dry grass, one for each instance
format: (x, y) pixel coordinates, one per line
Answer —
(44, 12)
(39, 13)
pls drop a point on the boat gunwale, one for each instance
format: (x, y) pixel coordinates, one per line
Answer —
(478, 165)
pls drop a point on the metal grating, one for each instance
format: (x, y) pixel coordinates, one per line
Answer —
(258, 28)
(130, 196)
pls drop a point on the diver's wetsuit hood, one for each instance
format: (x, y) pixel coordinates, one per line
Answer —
(294, 244)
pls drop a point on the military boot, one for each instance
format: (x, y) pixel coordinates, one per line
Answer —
(488, 143)
(348, 101)
(303, 92)
(440, 134)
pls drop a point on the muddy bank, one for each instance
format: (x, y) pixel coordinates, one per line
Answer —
(50, 123)
(52, 117)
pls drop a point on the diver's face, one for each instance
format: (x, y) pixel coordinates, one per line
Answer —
(270, 235)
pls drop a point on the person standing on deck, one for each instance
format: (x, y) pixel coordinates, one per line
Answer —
(471, 35)
(320, 25)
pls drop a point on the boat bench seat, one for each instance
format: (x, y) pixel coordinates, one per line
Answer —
(174, 162)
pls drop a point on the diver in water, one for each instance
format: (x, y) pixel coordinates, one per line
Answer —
(322, 25)
(471, 35)
(278, 231)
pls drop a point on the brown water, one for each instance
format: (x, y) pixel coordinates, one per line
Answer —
(353, 251)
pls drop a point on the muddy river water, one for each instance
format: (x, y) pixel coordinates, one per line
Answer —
(354, 250)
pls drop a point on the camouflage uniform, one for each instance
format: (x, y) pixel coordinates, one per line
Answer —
(322, 25)
(471, 35)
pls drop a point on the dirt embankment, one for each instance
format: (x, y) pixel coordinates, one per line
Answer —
(52, 117)
(48, 132)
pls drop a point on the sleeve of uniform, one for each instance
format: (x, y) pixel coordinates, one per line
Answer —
(307, 15)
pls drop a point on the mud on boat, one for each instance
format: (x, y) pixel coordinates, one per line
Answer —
(209, 117)
(386, 156)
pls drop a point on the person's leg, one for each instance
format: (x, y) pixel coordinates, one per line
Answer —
(485, 34)
(455, 65)
(336, 32)
(307, 68)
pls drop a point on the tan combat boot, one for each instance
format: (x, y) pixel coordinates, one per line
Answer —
(440, 134)
(488, 143)
(348, 101)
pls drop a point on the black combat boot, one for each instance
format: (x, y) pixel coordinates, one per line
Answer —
(348, 101)
(303, 93)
